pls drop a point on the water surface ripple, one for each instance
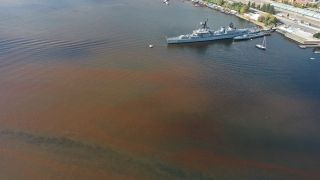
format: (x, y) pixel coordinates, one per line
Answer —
(84, 97)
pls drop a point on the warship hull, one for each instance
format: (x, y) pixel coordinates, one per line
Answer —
(177, 40)
(205, 34)
(249, 36)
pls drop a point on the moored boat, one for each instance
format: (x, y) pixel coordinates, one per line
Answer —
(262, 46)
(249, 36)
(205, 34)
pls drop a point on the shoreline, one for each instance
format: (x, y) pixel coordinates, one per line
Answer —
(302, 38)
(299, 36)
(251, 20)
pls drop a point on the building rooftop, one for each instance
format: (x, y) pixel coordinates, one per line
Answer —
(297, 10)
(301, 2)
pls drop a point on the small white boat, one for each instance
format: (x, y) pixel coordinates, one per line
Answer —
(150, 46)
(262, 46)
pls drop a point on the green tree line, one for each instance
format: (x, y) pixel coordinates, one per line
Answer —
(238, 6)
(217, 2)
(265, 8)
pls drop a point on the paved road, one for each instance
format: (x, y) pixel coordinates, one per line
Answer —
(296, 25)
(315, 22)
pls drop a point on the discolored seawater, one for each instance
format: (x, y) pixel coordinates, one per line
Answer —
(84, 97)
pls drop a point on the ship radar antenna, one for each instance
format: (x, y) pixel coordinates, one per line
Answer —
(204, 25)
(206, 19)
(231, 25)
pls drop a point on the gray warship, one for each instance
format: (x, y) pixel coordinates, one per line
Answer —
(205, 34)
(249, 36)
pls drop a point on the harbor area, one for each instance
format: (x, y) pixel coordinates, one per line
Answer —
(300, 33)
(296, 31)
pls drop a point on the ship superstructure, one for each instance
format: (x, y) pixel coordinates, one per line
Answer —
(205, 34)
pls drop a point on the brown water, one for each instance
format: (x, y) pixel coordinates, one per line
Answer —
(83, 97)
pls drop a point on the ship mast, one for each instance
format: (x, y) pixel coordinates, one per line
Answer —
(204, 25)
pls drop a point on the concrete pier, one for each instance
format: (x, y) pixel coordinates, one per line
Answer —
(303, 38)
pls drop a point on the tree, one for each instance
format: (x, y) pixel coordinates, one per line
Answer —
(237, 6)
(249, 4)
(219, 2)
(244, 9)
(316, 35)
(261, 18)
(271, 10)
(272, 20)
(253, 5)
(264, 7)
(266, 20)
(267, 8)
(258, 7)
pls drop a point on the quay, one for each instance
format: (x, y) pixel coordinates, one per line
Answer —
(310, 46)
(303, 38)
(298, 33)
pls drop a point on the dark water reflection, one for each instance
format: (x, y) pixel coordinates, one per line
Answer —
(84, 97)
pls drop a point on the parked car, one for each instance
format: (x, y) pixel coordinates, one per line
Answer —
(292, 18)
(279, 23)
